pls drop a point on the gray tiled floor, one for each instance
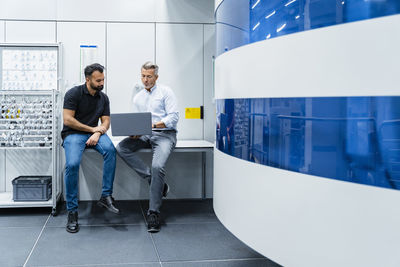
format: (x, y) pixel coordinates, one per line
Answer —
(191, 236)
(16, 244)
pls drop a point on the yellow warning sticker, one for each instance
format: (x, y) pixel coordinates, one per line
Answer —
(192, 113)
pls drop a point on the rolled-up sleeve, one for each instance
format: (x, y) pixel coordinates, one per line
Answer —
(171, 109)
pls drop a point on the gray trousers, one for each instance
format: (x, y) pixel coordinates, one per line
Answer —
(162, 143)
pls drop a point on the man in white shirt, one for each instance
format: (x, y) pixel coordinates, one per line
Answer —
(161, 102)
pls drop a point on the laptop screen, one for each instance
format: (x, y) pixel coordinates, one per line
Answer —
(127, 124)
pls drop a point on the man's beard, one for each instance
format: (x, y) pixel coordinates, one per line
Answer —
(149, 86)
(97, 88)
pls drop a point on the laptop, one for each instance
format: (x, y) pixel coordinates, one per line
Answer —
(127, 124)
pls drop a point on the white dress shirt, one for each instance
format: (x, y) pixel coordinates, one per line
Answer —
(162, 104)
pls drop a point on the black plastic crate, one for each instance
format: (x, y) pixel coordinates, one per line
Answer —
(32, 188)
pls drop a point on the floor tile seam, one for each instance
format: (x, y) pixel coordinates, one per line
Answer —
(105, 225)
(151, 237)
(213, 260)
(183, 223)
(123, 224)
(37, 240)
(155, 248)
(96, 264)
(143, 213)
(21, 227)
(100, 225)
(117, 224)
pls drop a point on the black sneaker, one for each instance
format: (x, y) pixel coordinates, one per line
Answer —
(165, 190)
(153, 222)
(108, 203)
(72, 223)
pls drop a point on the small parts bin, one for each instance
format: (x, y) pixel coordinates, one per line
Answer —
(32, 188)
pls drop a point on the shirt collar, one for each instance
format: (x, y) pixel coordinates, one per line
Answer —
(86, 90)
(151, 89)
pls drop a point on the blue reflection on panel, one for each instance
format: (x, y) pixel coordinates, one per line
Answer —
(354, 139)
(240, 22)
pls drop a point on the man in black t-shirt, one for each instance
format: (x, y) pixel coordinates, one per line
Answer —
(84, 105)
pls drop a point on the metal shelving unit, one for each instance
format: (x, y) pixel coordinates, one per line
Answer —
(30, 119)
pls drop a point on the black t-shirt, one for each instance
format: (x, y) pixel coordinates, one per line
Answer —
(88, 108)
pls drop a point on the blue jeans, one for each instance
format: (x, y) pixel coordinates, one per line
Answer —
(162, 144)
(74, 145)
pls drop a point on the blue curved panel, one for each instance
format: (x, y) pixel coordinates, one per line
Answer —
(240, 22)
(354, 139)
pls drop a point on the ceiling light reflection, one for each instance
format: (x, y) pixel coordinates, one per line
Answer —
(281, 28)
(256, 26)
(270, 14)
(255, 4)
(289, 3)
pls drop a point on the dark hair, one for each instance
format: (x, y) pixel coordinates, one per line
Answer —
(92, 68)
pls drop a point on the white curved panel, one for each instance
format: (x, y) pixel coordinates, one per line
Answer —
(240, 20)
(352, 59)
(217, 3)
(302, 220)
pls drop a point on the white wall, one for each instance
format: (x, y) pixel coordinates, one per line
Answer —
(176, 11)
(30, 32)
(297, 219)
(28, 10)
(2, 31)
(74, 34)
(104, 10)
(177, 34)
(3, 182)
(127, 33)
(123, 69)
(179, 53)
(187, 11)
(209, 103)
(2, 152)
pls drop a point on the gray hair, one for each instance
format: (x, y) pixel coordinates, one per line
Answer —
(150, 66)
